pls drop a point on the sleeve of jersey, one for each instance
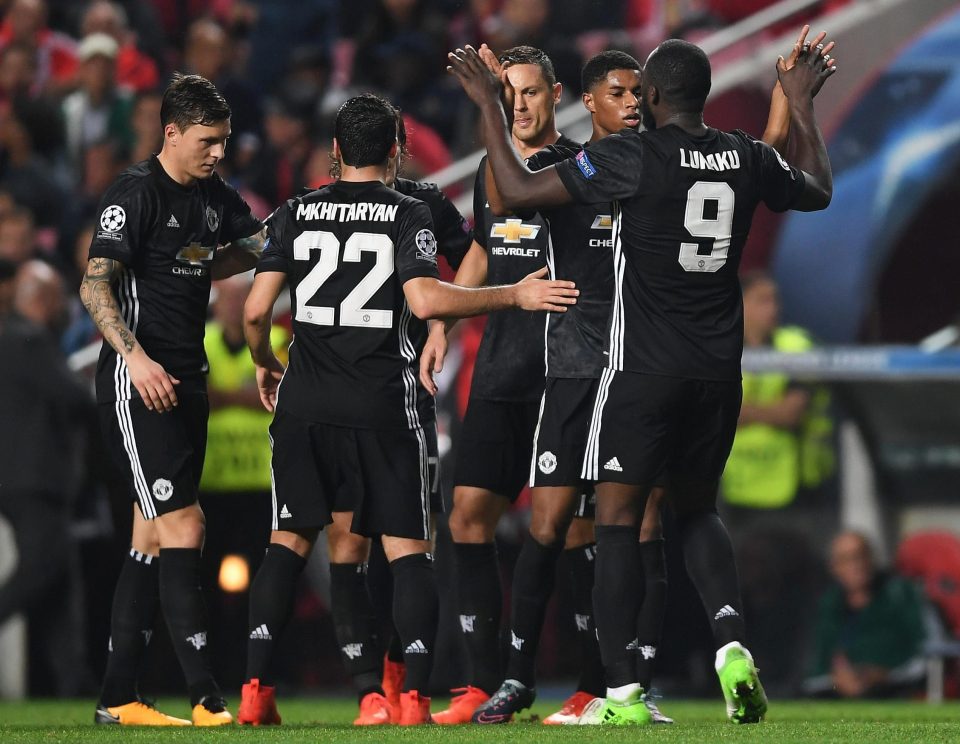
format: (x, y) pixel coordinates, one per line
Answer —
(416, 245)
(238, 222)
(479, 202)
(454, 235)
(274, 256)
(609, 170)
(781, 183)
(124, 217)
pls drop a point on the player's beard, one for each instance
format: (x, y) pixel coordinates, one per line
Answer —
(646, 116)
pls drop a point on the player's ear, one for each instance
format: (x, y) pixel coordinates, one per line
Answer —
(336, 150)
(588, 103)
(394, 149)
(557, 92)
(653, 95)
(171, 134)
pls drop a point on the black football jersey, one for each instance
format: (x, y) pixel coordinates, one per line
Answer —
(579, 249)
(510, 362)
(453, 233)
(682, 209)
(165, 235)
(347, 250)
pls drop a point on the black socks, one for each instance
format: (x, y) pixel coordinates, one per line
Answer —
(355, 623)
(271, 602)
(415, 615)
(135, 602)
(708, 555)
(533, 582)
(650, 619)
(579, 563)
(183, 607)
(480, 600)
(617, 597)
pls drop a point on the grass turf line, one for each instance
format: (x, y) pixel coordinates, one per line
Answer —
(328, 720)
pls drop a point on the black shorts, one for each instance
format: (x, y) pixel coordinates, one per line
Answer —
(655, 430)
(561, 435)
(383, 476)
(159, 455)
(496, 443)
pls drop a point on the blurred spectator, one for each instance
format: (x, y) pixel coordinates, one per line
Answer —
(870, 627)
(136, 70)
(81, 329)
(44, 404)
(281, 168)
(528, 22)
(25, 22)
(235, 486)
(18, 72)
(282, 25)
(17, 236)
(764, 469)
(207, 52)
(8, 270)
(99, 109)
(427, 152)
(25, 174)
(147, 136)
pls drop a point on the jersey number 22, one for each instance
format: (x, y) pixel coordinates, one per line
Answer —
(352, 310)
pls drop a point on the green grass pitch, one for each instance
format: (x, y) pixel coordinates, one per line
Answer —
(326, 720)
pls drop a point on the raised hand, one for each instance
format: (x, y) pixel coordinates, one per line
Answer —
(801, 44)
(533, 292)
(479, 83)
(809, 72)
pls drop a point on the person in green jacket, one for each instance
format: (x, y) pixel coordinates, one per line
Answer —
(870, 627)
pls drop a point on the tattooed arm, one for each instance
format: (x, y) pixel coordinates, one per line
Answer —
(239, 256)
(149, 378)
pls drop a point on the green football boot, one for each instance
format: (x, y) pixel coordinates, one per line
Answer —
(746, 700)
(630, 712)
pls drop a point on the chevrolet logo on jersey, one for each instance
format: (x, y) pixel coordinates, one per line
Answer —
(602, 222)
(195, 254)
(513, 230)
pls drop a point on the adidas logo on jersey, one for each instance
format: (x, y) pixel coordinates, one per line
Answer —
(634, 645)
(172, 222)
(517, 643)
(353, 650)
(197, 640)
(726, 611)
(260, 633)
(285, 513)
(416, 647)
(613, 464)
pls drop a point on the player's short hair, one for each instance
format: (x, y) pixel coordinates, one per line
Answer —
(597, 67)
(528, 55)
(190, 100)
(365, 129)
(681, 72)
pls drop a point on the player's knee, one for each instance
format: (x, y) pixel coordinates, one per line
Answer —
(298, 542)
(473, 520)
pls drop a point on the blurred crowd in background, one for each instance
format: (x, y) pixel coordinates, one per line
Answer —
(80, 92)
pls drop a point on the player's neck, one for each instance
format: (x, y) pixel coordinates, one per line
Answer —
(170, 168)
(363, 174)
(689, 122)
(526, 149)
